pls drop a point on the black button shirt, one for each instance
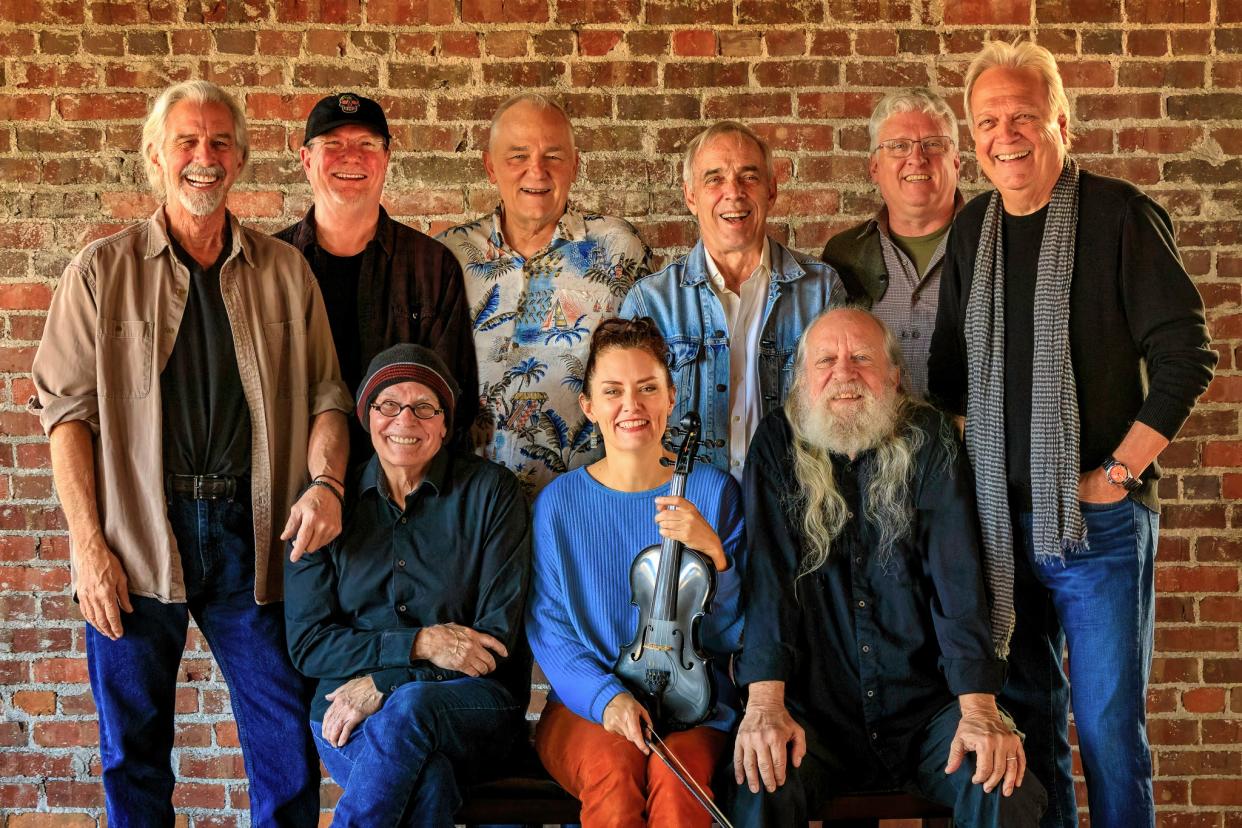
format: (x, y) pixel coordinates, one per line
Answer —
(869, 648)
(458, 552)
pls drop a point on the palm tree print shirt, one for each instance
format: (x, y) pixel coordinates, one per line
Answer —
(532, 320)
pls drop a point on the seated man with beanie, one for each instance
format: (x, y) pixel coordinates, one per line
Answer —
(411, 619)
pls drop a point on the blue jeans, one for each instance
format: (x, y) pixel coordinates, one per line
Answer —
(1100, 603)
(134, 679)
(842, 768)
(407, 762)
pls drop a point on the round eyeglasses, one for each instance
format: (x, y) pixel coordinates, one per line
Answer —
(392, 408)
(902, 147)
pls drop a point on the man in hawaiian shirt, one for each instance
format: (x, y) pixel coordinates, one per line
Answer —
(539, 276)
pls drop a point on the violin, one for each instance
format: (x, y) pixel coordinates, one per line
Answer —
(664, 667)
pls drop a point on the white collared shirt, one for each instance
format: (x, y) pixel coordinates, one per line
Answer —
(744, 315)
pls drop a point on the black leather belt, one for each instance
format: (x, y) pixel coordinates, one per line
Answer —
(203, 486)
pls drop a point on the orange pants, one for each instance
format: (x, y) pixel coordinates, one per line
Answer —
(617, 784)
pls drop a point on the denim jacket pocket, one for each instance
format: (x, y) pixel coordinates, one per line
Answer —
(683, 354)
(125, 358)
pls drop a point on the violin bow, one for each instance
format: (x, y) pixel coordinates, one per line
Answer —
(674, 764)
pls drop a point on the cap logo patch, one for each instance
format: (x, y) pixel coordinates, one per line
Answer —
(348, 104)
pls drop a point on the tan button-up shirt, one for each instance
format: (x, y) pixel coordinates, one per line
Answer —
(110, 330)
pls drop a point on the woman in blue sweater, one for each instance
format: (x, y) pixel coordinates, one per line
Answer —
(589, 525)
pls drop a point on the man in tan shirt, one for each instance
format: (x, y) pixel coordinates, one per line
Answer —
(189, 387)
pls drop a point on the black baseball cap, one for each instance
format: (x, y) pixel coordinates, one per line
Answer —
(345, 108)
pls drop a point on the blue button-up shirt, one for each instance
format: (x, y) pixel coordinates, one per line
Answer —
(681, 301)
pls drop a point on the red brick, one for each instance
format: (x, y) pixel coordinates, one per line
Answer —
(1147, 43)
(800, 73)
(102, 106)
(977, 12)
(66, 734)
(831, 42)
(690, 75)
(198, 795)
(643, 43)
(785, 42)
(869, 11)
(504, 11)
(1208, 639)
(748, 105)
(1222, 731)
(1078, 11)
(1172, 731)
(24, 296)
(597, 11)
(875, 43)
(597, 42)
(1180, 74)
(64, 793)
(328, 11)
(410, 12)
(1168, 11)
(784, 13)
(1220, 609)
(698, 12)
(694, 43)
(614, 73)
(886, 73)
(1197, 579)
(1117, 107)
(25, 107)
(1159, 140)
(57, 12)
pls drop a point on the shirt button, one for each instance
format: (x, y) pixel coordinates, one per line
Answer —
(871, 694)
(721, 387)
(866, 648)
(849, 515)
(400, 563)
(874, 735)
(862, 604)
(915, 334)
(407, 520)
(719, 334)
(737, 462)
(858, 559)
(400, 607)
(737, 419)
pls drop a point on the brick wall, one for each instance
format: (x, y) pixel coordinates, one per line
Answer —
(1156, 87)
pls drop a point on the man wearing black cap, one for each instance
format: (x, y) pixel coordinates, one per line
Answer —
(411, 619)
(383, 282)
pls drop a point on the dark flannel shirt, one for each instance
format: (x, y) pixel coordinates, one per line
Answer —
(410, 289)
(458, 552)
(869, 650)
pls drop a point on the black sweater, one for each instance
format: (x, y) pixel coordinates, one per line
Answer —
(1138, 337)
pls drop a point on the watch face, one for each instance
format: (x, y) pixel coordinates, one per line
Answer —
(1117, 473)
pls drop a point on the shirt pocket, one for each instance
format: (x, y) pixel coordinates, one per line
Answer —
(683, 356)
(125, 358)
(286, 350)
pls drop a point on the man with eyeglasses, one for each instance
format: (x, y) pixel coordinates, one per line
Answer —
(411, 620)
(383, 282)
(891, 263)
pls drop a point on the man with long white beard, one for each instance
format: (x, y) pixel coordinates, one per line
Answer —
(867, 658)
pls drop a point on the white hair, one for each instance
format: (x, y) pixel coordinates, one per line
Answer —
(536, 100)
(197, 91)
(914, 99)
(1024, 55)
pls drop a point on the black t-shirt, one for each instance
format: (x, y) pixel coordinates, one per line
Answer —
(1023, 236)
(338, 282)
(206, 427)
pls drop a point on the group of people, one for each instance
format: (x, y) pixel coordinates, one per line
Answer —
(325, 448)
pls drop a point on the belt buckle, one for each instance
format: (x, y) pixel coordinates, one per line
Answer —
(198, 487)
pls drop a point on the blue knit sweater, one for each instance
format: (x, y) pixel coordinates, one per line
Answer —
(579, 614)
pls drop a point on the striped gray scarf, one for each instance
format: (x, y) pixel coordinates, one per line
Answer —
(1058, 526)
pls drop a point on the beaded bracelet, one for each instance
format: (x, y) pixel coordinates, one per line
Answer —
(325, 484)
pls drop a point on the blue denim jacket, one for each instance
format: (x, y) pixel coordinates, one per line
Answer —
(681, 301)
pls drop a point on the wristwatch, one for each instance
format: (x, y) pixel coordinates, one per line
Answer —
(1118, 473)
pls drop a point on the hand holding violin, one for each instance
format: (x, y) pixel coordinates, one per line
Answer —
(680, 520)
(628, 719)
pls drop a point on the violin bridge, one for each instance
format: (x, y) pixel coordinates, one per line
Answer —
(662, 648)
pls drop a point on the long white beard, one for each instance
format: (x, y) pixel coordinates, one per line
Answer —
(854, 433)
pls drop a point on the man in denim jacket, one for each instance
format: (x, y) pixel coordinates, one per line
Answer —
(732, 308)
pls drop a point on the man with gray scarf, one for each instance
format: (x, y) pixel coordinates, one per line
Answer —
(867, 656)
(1071, 337)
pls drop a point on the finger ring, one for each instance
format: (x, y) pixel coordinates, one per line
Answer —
(1011, 758)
